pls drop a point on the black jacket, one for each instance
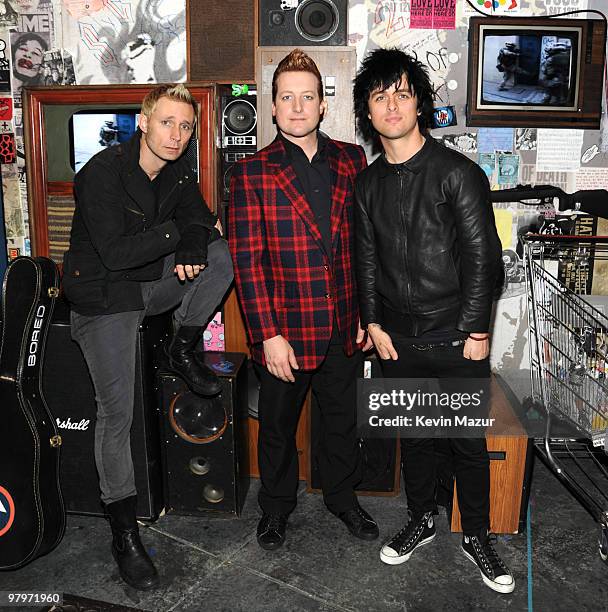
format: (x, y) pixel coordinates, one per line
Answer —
(119, 236)
(428, 254)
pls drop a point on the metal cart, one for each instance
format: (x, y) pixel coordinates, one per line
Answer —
(568, 364)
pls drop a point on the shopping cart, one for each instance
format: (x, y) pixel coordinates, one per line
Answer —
(568, 363)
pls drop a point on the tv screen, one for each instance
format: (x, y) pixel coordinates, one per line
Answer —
(529, 68)
(93, 131)
(535, 71)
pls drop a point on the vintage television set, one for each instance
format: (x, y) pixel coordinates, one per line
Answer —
(535, 72)
(65, 126)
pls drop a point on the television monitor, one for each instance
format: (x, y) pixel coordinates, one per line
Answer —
(93, 131)
(535, 72)
(90, 131)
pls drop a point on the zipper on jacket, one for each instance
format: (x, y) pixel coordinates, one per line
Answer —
(160, 204)
(405, 261)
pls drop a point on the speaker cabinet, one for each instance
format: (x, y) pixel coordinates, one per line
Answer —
(379, 456)
(206, 440)
(337, 67)
(238, 121)
(221, 40)
(71, 399)
(307, 22)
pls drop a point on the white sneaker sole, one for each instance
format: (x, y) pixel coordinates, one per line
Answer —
(495, 586)
(389, 560)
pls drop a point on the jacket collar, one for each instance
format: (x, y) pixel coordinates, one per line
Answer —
(414, 164)
(286, 179)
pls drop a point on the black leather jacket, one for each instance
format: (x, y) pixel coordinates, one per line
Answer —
(428, 254)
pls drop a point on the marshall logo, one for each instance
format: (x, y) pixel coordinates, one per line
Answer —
(67, 424)
(35, 339)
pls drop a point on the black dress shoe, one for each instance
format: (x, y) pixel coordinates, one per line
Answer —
(271, 531)
(359, 523)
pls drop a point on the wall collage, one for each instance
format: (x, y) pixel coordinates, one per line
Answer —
(85, 42)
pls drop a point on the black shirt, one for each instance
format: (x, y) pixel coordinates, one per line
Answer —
(315, 179)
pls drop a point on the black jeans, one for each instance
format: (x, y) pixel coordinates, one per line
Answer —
(334, 384)
(420, 458)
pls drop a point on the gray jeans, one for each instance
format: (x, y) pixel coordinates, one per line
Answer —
(108, 343)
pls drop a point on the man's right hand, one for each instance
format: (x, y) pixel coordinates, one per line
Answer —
(280, 358)
(382, 341)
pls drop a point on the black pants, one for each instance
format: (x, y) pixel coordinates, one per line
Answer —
(109, 342)
(420, 458)
(334, 384)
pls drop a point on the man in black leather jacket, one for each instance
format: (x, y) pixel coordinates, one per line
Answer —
(428, 260)
(142, 242)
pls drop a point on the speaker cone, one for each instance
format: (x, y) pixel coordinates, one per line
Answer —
(213, 494)
(197, 419)
(200, 466)
(240, 117)
(317, 20)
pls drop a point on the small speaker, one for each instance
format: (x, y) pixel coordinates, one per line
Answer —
(238, 129)
(308, 22)
(206, 455)
(69, 393)
(380, 473)
(221, 45)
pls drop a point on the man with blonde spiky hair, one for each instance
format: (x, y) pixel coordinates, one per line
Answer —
(291, 239)
(143, 242)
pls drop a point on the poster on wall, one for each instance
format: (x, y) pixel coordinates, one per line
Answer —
(119, 41)
(5, 67)
(29, 42)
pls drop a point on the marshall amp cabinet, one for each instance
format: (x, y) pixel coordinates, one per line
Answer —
(71, 399)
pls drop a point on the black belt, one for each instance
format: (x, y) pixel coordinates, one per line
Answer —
(432, 345)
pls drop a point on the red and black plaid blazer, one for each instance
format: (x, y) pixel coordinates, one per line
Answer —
(284, 279)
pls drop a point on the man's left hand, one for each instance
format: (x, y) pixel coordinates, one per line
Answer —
(476, 350)
(188, 272)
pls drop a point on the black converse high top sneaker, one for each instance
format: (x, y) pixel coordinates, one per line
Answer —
(416, 533)
(493, 570)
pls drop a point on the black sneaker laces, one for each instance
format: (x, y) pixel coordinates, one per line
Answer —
(409, 533)
(488, 556)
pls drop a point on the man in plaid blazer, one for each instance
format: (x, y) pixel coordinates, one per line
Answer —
(290, 227)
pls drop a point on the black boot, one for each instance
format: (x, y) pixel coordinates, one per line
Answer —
(182, 361)
(134, 564)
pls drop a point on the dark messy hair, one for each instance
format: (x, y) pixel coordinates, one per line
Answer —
(379, 70)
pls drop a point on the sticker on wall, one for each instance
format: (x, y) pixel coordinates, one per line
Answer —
(508, 169)
(467, 142)
(8, 153)
(487, 162)
(444, 116)
(7, 511)
(58, 68)
(8, 13)
(433, 14)
(525, 139)
(5, 68)
(6, 109)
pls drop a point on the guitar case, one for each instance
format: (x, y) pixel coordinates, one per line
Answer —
(32, 513)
